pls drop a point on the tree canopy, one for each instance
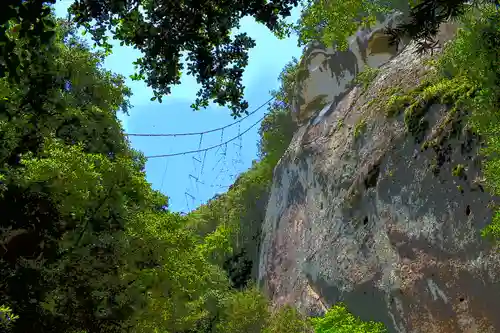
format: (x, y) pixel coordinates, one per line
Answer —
(164, 31)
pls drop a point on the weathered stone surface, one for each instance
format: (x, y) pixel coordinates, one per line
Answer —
(372, 222)
(324, 72)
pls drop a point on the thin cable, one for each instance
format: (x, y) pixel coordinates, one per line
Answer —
(209, 131)
(209, 148)
(203, 163)
(164, 174)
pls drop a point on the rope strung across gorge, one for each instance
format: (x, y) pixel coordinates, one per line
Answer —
(209, 148)
(204, 132)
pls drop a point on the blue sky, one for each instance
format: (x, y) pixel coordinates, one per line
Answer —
(175, 176)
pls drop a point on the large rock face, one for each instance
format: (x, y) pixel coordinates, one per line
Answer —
(371, 220)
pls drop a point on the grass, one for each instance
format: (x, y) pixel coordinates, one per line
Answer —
(359, 128)
(366, 77)
(458, 171)
(340, 124)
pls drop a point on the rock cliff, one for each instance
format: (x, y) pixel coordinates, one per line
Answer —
(360, 213)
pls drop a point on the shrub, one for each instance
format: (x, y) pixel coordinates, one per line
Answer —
(339, 320)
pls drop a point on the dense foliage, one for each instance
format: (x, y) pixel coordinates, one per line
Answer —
(339, 320)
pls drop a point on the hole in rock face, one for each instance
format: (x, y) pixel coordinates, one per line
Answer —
(365, 220)
(462, 299)
(467, 210)
(372, 176)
